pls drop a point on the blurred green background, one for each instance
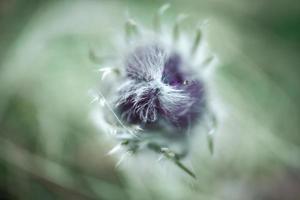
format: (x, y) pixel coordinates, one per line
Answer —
(50, 148)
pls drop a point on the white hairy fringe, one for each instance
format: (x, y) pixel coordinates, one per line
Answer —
(169, 97)
(149, 69)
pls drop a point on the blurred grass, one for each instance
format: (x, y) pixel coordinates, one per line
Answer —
(49, 148)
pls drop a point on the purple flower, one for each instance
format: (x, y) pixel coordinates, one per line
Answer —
(160, 91)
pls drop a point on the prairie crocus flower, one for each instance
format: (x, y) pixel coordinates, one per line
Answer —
(155, 93)
(159, 92)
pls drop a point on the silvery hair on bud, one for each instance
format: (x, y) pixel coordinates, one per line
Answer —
(159, 90)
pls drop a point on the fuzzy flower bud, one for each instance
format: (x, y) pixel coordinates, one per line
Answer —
(156, 92)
